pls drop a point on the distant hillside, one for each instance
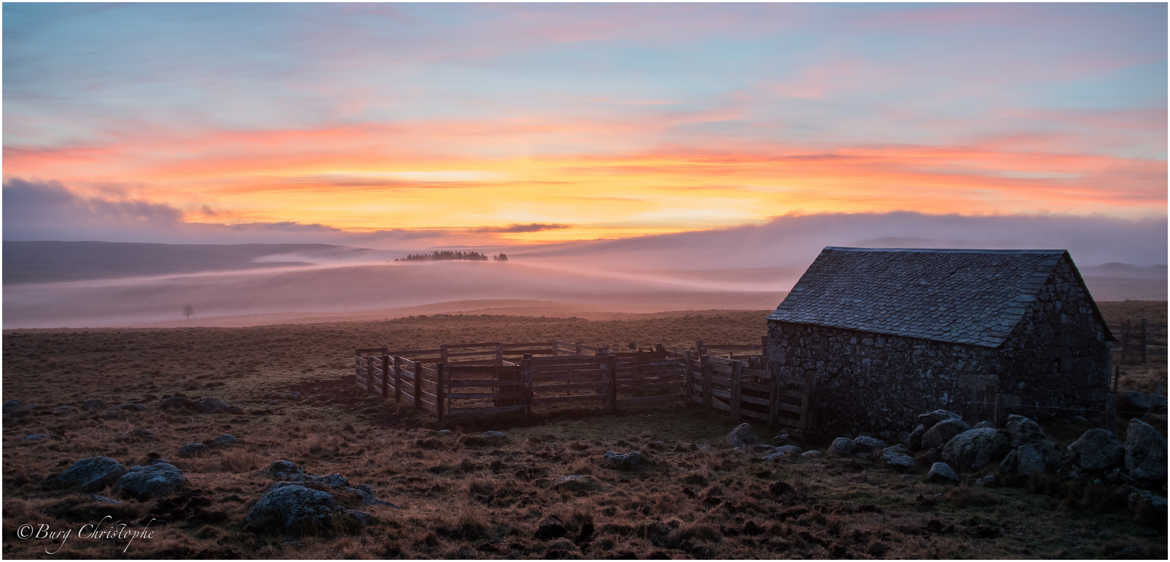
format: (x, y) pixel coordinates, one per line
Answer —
(33, 262)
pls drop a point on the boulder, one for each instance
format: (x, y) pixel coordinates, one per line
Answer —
(1097, 449)
(192, 449)
(285, 470)
(867, 444)
(938, 434)
(898, 457)
(1148, 507)
(928, 419)
(132, 407)
(1145, 452)
(93, 404)
(622, 461)
(1023, 460)
(781, 438)
(913, 441)
(334, 480)
(577, 483)
(35, 437)
(296, 510)
(62, 410)
(742, 436)
(209, 405)
(941, 472)
(177, 404)
(976, 448)
(783, 452)
(151, 481)
(841, 446)
(1023, 430)
(984, 423)
(811, 453)
(90, 474)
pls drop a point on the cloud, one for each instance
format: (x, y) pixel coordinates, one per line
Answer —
(518, 228)
(282, 226)
(47, 210)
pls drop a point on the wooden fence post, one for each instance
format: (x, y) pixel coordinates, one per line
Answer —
(443, 353)
(370, 374)
(418, 375)
(699, 348)
(705, 369)
(440, 394)
(385, 374)
(357, 369)
(688, 378)
(397, 381)
(611, 384)
(526, 380)
(578, 344)
(736, 389)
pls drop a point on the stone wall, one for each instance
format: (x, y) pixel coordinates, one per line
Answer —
(872, 382)
(1057, 360)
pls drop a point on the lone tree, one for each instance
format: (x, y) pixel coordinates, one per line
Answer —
(501, 257)
(188, 310)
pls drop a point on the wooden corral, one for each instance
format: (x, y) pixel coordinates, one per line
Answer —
(480, 381)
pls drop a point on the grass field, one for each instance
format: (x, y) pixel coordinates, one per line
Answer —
(457, 498)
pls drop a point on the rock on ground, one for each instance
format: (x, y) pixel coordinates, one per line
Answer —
(297, 510)
(1097, 449)
(90, 474)
(941, 472)
(285, 470)
(811, 453)
(938, 434)
(1022, 430)
(623, 461)
(742, 436)
(782, 452)
(1148, 507)
(577, 483)
(151, 481)
(224, 440)
(867, 444)
(1024, 460)
(211, 405)
(1145, 452)
(897, 456)
(930, 418)
(976, 448)
(192, 449)
(841, 446)
(914, 440)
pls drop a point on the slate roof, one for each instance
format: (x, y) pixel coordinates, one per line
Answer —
(973, 297)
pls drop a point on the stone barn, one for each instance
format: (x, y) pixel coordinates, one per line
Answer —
(889, 333)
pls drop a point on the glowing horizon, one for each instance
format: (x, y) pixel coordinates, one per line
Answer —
(518, 124)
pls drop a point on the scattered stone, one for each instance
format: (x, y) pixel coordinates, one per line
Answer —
(192, 449)
(986, 481)
(157, 479)
(577, 483)
(623, 461)
(35, 437)
(897, 456)
(811, 453)
(941, 472)
(176, 403)
(93, 405)
(63, 411)
(984, 423)
(104, 499)
(1145, 452)
(224, 440)
(11, 405)
(297, 510)
(783, 452)
(841, 446)
(139, 434)
(976, 448)
(209, 405)
(742, 436)
(867, 444)
(1023, 460)
(90, 474)
(1023, 430)
(132, 407)
(913, 441)
(938, 434)
(551, 527)
(781, 438)
(1097, 449)
(443, 432)
(928, 419)
(285, 470)
(334, 480)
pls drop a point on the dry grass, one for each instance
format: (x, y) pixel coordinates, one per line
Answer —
(694, 498)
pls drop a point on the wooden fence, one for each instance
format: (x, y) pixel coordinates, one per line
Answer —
(486, 380)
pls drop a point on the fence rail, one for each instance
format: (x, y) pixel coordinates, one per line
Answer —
(482, 380)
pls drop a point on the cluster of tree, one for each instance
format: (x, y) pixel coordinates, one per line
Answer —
(446, 255)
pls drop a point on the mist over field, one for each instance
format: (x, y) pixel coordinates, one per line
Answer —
(87, 284)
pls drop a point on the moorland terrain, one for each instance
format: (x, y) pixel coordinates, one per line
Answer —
(454, 494)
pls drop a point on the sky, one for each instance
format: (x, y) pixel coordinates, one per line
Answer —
(526, 123)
